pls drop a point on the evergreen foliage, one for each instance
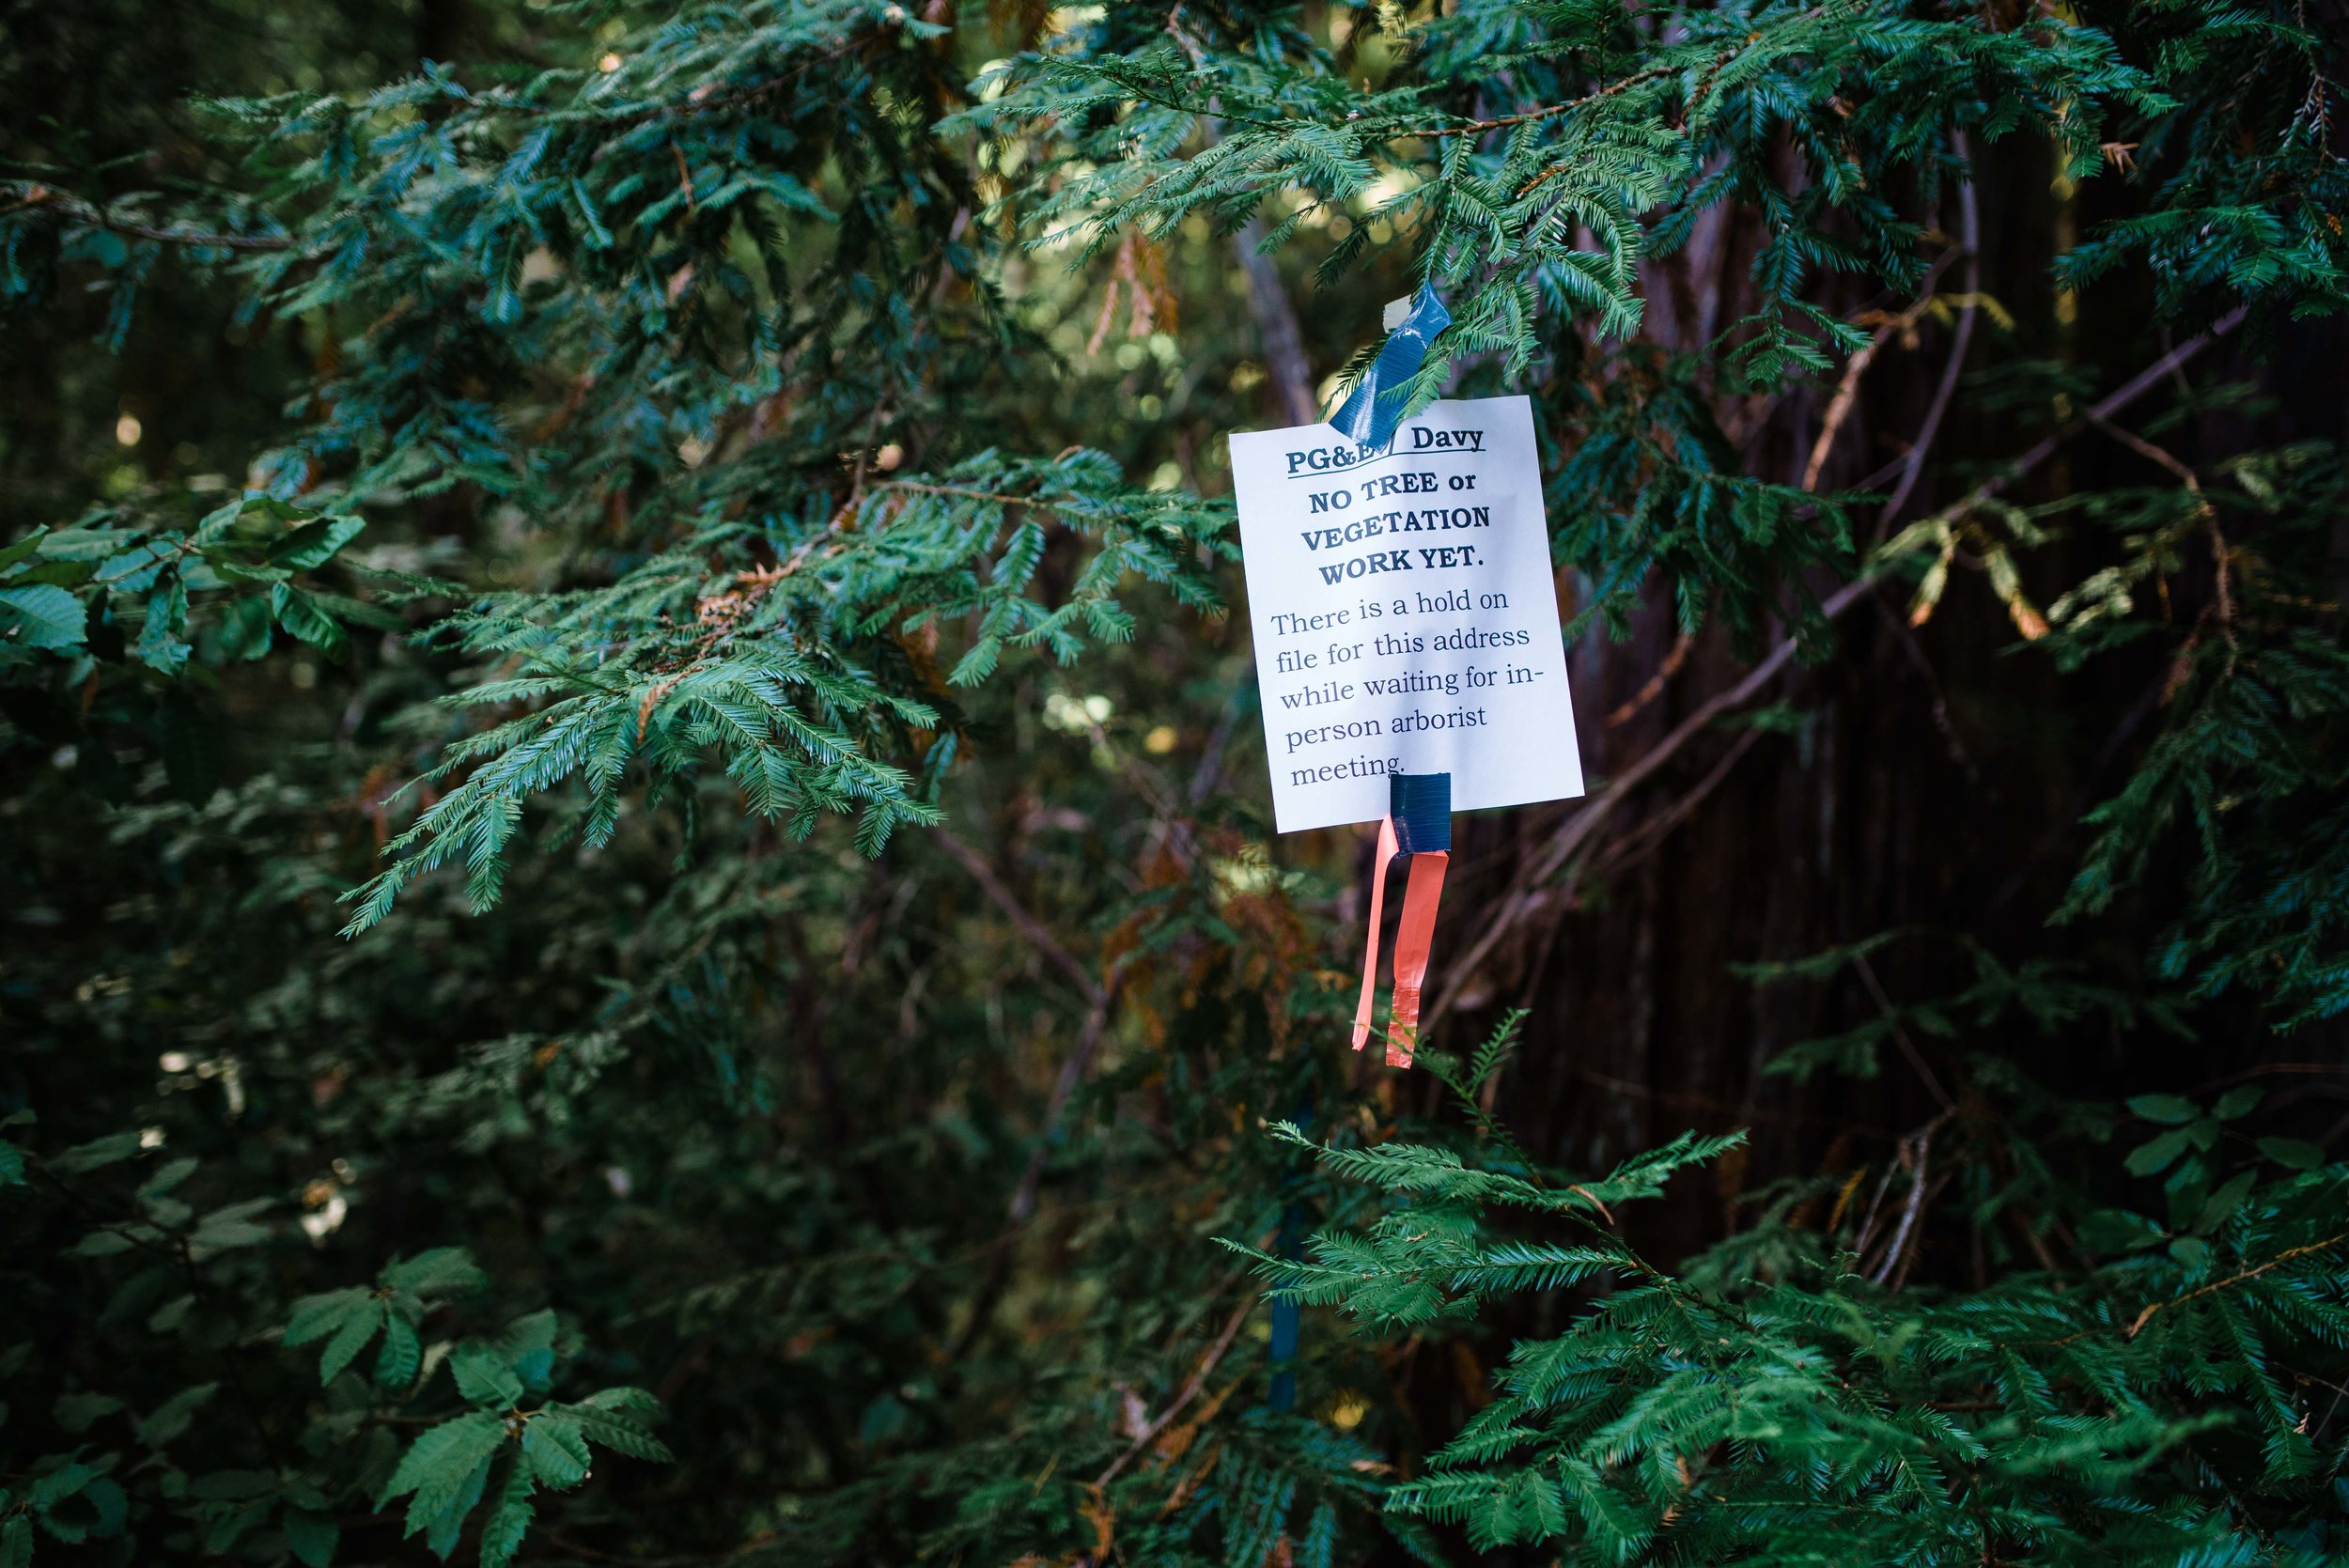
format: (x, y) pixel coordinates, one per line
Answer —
(1774, 1402)
(642, 930)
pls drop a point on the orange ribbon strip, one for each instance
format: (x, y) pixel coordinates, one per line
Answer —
(1412, 940)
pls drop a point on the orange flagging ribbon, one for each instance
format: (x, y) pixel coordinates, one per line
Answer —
(1426, 823)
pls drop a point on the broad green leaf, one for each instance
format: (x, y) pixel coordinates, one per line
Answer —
(2238, 1102)
(350, 1339)
(300, 614)
(2118, 1231)
(443, 1271)
(2220, 1207)
(97, 1153)
(311, 1537)
(101, 1244)
(2148, 1158)
(61, 1484)
(556, 1450)
(22, 550)
(227, 1525)
(396, 1363)
(528, 1347)
(134, 570)
(2292, 1153)
(502, 1532)
(245, 629)
(2168, 1109)
(441, 1462)
(315, 543)
(172, 1418)
(483, 1377)
(170, 1176)
(615, 1418)
(316, 1316)
(76, 1412)
(229, 1227)
(442, 1530)
(41, 615)
(162, 644)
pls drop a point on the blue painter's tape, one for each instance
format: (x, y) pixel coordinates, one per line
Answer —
(1421, 804)
(1374, 407)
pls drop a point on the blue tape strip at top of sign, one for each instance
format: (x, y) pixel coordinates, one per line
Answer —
(1421, 804)
(1371, 411)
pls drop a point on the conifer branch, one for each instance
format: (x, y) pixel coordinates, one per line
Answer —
(2138, 1323)
(37, 197)
(1188, 1391)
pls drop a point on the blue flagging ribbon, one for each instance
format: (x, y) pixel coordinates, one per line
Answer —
(1287, 1316)
(1374, 407)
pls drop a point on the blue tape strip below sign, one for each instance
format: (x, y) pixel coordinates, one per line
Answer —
(1421, 804)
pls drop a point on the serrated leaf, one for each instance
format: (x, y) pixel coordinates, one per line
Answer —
(350, 1339)
(528, 1347)
(162, 646)
(316, 1316)
(61, 1484)
(2168, 1110)
(300, 614)
(172, 1418)
(624, 1397)
(227, 1526)
(443, 1271)
(16, 1542)
(230, 1227)
(439, 1463)
(312, 1538)
(41, 615)
(622, 1436)
(556, 1449)
(483, 1377)
(396, 1363)
(502, 1532)
(440, 1531)
(315, 543)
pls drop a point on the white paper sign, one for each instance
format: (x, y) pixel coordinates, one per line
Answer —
(1404, 616)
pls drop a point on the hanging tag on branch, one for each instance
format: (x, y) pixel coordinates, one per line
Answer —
(1405, 626)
